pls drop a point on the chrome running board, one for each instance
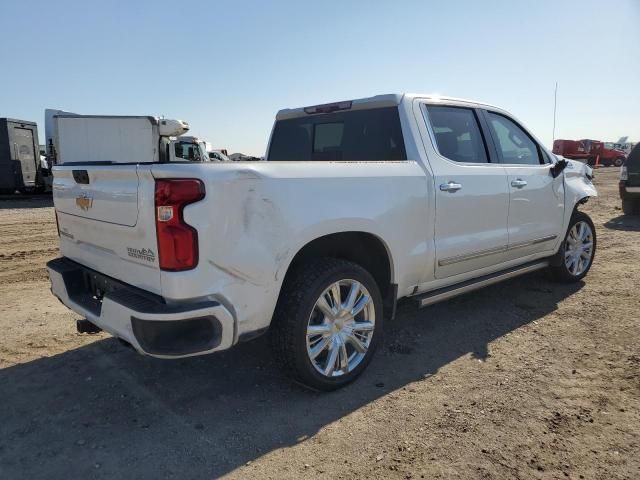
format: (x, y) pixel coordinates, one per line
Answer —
(435, 296)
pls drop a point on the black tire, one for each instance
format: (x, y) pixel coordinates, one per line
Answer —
(559, 268)
(618, 162)
(288, 333)
(631, 207)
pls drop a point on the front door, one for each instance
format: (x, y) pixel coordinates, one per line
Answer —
(472, 194)
(536, 207)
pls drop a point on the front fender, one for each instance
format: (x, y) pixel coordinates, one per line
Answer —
(578, 182)
(578, 187)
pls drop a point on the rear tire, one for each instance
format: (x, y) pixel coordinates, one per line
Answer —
(631, 207)
(317, 339)
(577, 251)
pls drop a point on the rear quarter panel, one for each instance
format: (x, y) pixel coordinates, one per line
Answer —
(257, 216)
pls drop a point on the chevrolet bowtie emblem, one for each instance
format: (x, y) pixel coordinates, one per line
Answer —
(84, 201)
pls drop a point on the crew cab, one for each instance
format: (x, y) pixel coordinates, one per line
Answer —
(359, 204)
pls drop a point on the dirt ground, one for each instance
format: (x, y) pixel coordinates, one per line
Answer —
(524, 379)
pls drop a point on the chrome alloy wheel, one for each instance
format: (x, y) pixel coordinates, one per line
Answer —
(340, 328)
(578, 249)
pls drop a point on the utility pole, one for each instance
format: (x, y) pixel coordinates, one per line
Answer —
(555, 103)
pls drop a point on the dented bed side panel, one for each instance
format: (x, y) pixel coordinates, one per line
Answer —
(257, 216)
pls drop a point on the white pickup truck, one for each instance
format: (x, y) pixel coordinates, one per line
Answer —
(359, 203)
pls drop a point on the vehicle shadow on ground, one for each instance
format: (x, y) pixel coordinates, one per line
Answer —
(627, 223)
(103, 411)
(44, 200)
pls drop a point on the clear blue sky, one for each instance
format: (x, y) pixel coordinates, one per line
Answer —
(228, 66)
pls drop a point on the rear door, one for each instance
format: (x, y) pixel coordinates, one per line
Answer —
(25, 153)
(536, 205)
(472, 195)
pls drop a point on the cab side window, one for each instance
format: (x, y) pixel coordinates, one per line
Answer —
(513, 144)
(457, 134)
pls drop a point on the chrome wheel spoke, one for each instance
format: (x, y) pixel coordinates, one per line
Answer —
(343, 357)
(319, 347)
(322, 329)
(324, 307)
(355, 341)
(331, 359)
(585, 232)
(358, 307)
(363, 327)
(335, 294)
(354, 293)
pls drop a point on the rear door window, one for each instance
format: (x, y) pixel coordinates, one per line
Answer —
(457, 134)
(358, 135)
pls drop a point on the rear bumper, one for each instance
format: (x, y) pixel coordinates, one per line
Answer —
(141, 318)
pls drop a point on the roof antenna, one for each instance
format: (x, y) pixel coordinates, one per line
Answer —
(555, 103)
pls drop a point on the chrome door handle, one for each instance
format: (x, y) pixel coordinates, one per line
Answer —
(450, 187)
(518, 183)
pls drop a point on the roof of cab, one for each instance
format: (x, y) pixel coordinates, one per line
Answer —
(377, 101)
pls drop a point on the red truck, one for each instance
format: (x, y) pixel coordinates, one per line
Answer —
(589, 150)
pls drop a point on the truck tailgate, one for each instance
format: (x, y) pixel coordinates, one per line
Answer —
(106, 193)
(106, 219)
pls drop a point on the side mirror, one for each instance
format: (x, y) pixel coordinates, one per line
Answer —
(558, 167)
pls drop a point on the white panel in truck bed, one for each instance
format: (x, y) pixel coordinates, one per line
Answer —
(91, 139)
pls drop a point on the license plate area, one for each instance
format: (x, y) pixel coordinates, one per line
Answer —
(87, 288)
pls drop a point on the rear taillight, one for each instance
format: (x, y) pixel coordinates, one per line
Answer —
(177, 240)
(624, 174)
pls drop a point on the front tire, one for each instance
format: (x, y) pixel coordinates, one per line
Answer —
(578, 249)
(327, 323)
(631, 207)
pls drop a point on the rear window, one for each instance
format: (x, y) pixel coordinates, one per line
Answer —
(351, 136)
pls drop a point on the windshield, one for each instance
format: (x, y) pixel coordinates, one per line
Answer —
(193, 152)
(218, 156)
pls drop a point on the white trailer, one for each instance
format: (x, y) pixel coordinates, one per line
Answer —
(110, 139)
